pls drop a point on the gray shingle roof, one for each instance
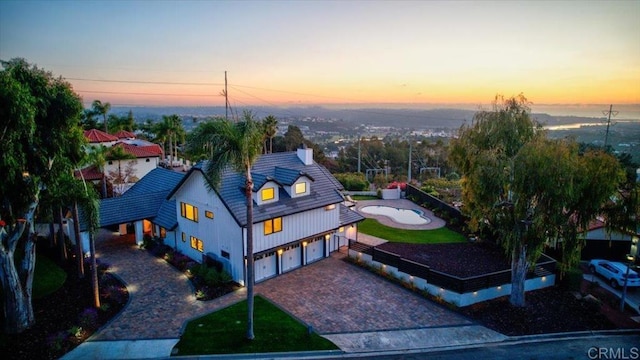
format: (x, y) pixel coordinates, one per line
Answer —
(324, 190)
(147, 199)
(348, 216)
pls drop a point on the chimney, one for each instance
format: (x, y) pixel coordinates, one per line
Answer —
(305, 155)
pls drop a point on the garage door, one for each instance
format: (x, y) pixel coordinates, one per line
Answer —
(315, 250)
(291, 258)
(265, 266)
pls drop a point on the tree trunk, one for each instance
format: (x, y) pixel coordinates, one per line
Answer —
(250, 261)
(76, 232)
(519, 269)
(270, 145)
(104, 184)
(94, 271)
(17, 283)
(62, 246)
(52, 231)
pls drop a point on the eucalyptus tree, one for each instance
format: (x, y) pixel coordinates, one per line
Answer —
(40, 128)
(101, 108)
(236, 145)
(524, 188)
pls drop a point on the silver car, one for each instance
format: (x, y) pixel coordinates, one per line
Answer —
(614, 272)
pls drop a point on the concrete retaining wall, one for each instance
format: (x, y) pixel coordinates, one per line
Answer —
(449, 296)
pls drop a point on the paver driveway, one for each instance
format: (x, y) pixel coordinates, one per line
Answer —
(331, 295)
(337, 297)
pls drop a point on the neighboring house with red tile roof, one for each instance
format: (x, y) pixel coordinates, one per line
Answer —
(147, 157)
(123, 134)
(97, 137)
(129, 171)
(603, 243)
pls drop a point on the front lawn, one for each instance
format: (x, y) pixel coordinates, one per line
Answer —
(224, 332)
(437, 236)
(48, 277)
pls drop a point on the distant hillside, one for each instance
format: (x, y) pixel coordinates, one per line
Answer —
(401, 118)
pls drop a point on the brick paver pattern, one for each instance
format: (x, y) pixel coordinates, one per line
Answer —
(331, 295)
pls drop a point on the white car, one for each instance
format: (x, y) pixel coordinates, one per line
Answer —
(614, 272)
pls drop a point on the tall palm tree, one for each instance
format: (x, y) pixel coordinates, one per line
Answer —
(236, 145)
(270, 128)
(101, 108)
(169, 130)
(97, 156)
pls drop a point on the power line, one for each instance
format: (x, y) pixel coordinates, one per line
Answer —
(146, 82)
(141, 94)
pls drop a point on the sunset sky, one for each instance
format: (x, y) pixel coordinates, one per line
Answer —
(332, 52)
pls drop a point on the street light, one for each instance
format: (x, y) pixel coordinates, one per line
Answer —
(630, 259)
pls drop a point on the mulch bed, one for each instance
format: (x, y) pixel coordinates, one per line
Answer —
(65, 311)
(459, 259)
(549, 310)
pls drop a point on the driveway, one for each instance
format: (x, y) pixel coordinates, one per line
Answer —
(357, 310)
(632, 298)
(337, 297)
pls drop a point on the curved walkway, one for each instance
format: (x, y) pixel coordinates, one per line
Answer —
(435, 222)
(161, 298)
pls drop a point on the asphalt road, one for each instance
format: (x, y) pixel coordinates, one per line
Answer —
(594, 347)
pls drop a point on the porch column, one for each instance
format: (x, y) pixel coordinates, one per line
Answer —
(139, 232)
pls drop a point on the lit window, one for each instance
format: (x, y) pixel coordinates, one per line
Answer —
(197, 244)
(267, 194)
(208, 214)
(273, 226)
(189, 211)
(163, 232)
(301, 188)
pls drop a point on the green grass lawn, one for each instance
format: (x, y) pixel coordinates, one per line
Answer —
(224, 332)
(48, 277)
(364, 197)
(437, 236)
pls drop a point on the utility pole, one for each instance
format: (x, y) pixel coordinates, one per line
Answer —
(409, 167)
(609, 114)
(358, 153)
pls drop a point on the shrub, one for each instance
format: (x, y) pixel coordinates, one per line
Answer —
(573, 279)
(57, 340)
(88, 319)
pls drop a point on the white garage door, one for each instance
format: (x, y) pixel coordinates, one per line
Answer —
(265, 266)
(315, 250)
(291, 258)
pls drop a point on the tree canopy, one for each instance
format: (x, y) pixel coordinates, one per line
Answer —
(523, 188)
(41, 140)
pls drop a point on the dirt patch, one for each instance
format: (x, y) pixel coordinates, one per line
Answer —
(459, 259)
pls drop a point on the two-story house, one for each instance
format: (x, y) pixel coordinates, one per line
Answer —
(299, 216)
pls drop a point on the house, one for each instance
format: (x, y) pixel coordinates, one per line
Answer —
(299, 215)
(602, 243)
(123, 173)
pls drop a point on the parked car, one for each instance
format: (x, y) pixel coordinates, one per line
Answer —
(614, 273)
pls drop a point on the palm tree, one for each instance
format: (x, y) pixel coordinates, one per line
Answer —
(97, 156)
(101, 108)
(169, 130)
(270, 128)
(236, 145)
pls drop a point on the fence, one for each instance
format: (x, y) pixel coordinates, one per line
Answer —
(433, 202)
(490, 285)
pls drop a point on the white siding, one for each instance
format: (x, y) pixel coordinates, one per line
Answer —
(296, 227)
(601, 234)
(218, 234)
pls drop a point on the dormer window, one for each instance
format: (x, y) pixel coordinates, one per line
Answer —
(301, 188)
(267, 194)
